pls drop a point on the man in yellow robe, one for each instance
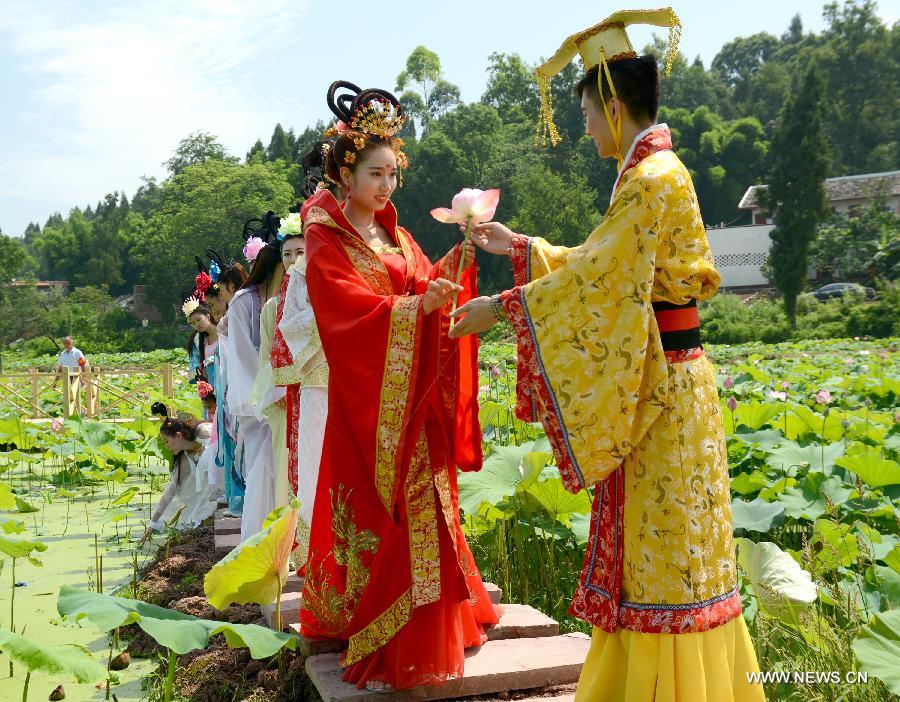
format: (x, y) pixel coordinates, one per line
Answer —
(610, 361)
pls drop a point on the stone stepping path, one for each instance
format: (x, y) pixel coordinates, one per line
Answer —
(496, 667)
(524, 651)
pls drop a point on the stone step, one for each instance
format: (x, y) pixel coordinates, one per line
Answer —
(494, 592)
(517, 622)
(522, 622)
(290, 604)
(225, 543)
(498, 666)
(226, 525)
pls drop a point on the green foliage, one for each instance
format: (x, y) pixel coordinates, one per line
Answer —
(196, 148)
(862, 245)
(878, 649)
(795, 192)
(65, 659)
(210, 200)
(180, 633)
(727, 320)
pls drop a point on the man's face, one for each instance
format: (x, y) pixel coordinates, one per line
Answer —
(596, 125)
(67, 343)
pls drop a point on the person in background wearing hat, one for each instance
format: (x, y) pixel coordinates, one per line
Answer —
(610, 361)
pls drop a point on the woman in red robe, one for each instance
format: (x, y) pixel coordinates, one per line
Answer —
(389, 570)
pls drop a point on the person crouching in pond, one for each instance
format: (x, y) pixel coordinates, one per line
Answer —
(188, 486)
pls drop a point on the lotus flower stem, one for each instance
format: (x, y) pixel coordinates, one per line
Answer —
(170, 676)
(25, 688)
(12, 611)
(462, 261)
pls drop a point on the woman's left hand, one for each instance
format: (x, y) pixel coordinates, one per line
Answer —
(146, 536)
(478, 317)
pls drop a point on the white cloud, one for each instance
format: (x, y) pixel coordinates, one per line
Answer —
(113, 87)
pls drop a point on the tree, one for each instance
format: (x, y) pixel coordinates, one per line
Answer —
(475, 129)
(257, 153)
(860, 64)
(279, 146)
(851, 246)
(423, 67)
(437, 96)
(724, 158)
(102, 261)
(197, 147)
(205, 205)
(511, 88)
(796, 191)
(15, 260)
(147, 197)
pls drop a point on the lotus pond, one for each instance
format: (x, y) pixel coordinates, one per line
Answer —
(813, 443)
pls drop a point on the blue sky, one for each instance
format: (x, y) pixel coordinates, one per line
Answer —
(97, 94)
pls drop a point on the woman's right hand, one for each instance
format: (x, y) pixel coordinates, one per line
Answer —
(493, 237)
(438, 294)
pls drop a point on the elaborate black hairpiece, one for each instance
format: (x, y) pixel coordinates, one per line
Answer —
(313, 164)
(373, 110)
(159, 409)
(267, 229)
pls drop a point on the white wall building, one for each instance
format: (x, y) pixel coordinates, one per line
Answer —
(741, 251)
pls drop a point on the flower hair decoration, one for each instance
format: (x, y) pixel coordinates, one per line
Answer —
(190, 306)
(204, 389)
(252, 248)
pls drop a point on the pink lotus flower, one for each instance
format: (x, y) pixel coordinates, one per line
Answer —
(56, 425)
(469, 205)
(252, 248)
(823, 397)
(731, 403)
(778, 395)
(729, 383)
(785, 385)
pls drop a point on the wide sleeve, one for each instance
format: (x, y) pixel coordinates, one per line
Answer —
(298, 323)
(265, 392)
(194, 360)
(242, 351)
(592, 367)
(532, 258)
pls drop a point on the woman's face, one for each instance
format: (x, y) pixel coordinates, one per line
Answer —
(200, 322)
(217, 305)
(373, 182)
(176, 443)
(226, 292)
(291, 250)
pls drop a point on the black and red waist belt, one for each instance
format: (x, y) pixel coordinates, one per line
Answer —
(679, 325)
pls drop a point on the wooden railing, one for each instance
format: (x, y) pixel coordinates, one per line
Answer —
(94, 393)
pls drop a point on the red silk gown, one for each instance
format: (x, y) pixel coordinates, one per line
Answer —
(389, 569)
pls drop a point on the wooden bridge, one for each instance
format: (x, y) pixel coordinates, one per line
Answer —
(93, 393)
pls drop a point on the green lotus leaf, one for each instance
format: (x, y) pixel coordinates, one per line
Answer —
(65, 659)
(791, 454)
(558, 502)
(178, 632)
(7, 499)
(757, 515)
(16, 547)
(872, 467)
(24, 507)
(505, 472)
(126, 496)
(748, 483)
(877, 648)
(783, 588)
(11, 525)
(255, 570)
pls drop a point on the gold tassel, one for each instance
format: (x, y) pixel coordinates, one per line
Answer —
(546, 128)
(615, 129)
(674, 37)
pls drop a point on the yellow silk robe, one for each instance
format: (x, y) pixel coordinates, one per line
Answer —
(641, 424)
